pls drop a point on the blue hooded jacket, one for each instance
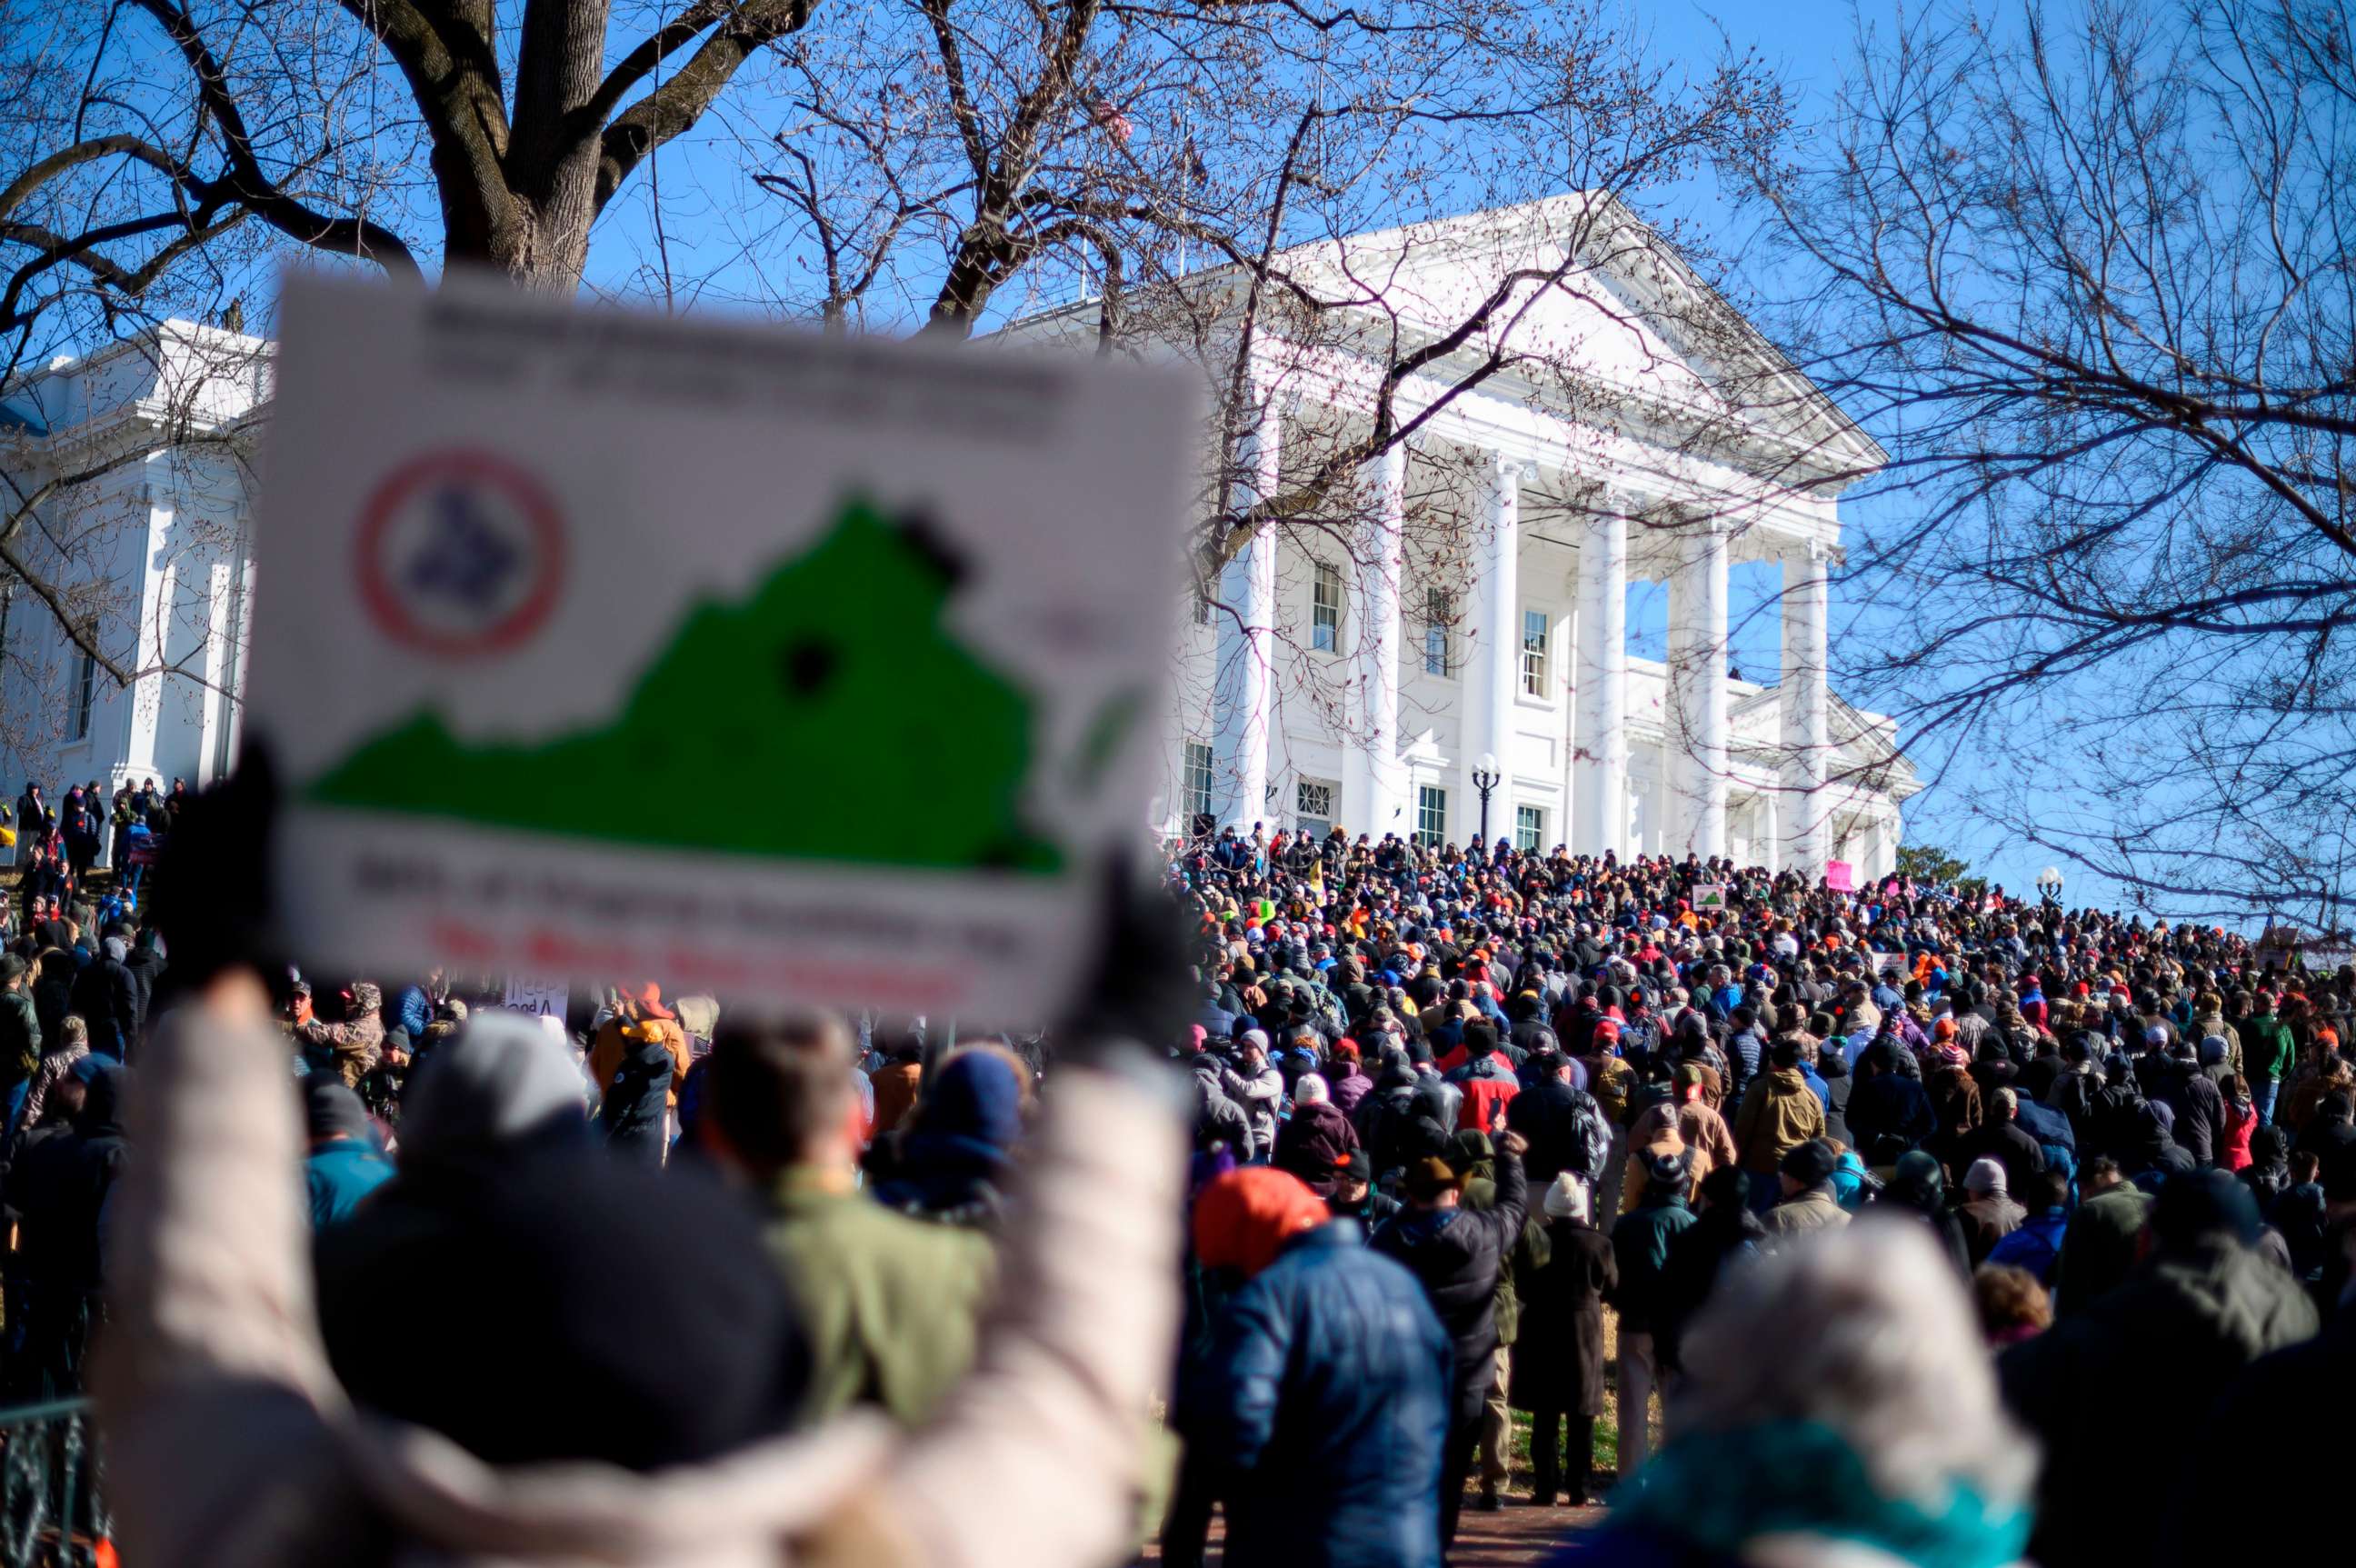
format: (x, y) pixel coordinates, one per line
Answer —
(1328, 1409)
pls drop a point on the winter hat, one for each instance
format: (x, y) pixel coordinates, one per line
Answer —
(1810, 1162)
(1245, 1217)
(974, 1094)
(332, 1110)
(116, 949)
(500, 1080)
(1670, 1171)
(1256, 1038)
(1985, 1177)
(2212, 1050)
(1356, 1166)
(1567, 1198)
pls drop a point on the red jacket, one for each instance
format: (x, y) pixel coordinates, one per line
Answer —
(1486, 1095)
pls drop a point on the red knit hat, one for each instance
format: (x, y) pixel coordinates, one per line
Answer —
(1245, 1217)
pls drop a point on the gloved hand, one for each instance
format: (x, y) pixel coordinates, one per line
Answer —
(212, 896)
(1140, 994)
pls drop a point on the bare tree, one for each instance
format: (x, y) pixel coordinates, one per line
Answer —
(2085, 271)
(1187, 177)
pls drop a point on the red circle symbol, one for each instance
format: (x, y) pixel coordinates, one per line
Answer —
(502, 514)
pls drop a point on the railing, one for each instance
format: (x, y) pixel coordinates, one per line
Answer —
(51, 1511)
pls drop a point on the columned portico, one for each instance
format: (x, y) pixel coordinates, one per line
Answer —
(1696, 718)
(1806, 709)
(1599, 767)
(1244, 689)
(1370, 770)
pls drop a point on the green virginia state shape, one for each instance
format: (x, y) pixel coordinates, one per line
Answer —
(831, 716)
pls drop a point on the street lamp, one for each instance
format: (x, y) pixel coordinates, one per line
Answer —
(1484, 778)
(2049, 882)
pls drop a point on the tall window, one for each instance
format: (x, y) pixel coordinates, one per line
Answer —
(1313, 806)
(85, 691)
(1534, 652)
(1204, 604)
(1529, 827)
(1430, 814)
(1325, 609)
(1196, 785)
(1439, 632)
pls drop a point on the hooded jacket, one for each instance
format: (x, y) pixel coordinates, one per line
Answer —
(1313, 1142)
(1330, 1438)
(1779, 1113)
(231, 1443)
(1458, 1254)
(353, 1045)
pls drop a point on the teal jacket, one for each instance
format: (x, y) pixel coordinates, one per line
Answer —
(340, 1174)
(1640, 1246)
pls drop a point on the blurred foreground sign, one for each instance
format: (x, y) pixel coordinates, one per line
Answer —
(601, 646)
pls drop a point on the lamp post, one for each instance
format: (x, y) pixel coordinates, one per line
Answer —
(1484, 779)
(2049, 883)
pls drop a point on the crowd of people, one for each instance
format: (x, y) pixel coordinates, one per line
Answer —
(1938, 1222)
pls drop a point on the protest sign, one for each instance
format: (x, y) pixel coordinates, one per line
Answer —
(536, 994)
(599, 645)
(1709, 897)
(1839, 877)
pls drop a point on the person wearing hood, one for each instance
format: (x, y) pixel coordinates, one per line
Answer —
(61, 1189)
(1458, 1254)
(634, 1088)
(1988, 1214)
(1808, 1202)
(889, 1305)
(1317, 1140)
(1329, 1440)
(1779, 1113)
(2148, 1359)
(1219, 1121)
(641, 1020)
(345, 1164)
(1918, 1190)
(2103, 1239)
(1557, 1372)
(352, 1044)
(2150, 1155)
(503, 1214)
(1876, 1436)
(951, 1161)
(1402, 1122)
(107, 997)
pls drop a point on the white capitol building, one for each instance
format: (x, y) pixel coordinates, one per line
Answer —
(1334, 677)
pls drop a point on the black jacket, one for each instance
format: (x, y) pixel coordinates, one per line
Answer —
(107, 997)
(1548, 1115)
(1457, 1254)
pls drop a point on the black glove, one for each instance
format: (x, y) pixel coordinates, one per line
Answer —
(1140, 995)
(212, 879)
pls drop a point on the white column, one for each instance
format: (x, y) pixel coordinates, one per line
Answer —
(1243, 696)
(1370, 768)
(1501, 647)
(1599, 767)
(1805, 710)
(1696, 708)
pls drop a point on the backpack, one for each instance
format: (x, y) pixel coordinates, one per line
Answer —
(1592, 1136)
